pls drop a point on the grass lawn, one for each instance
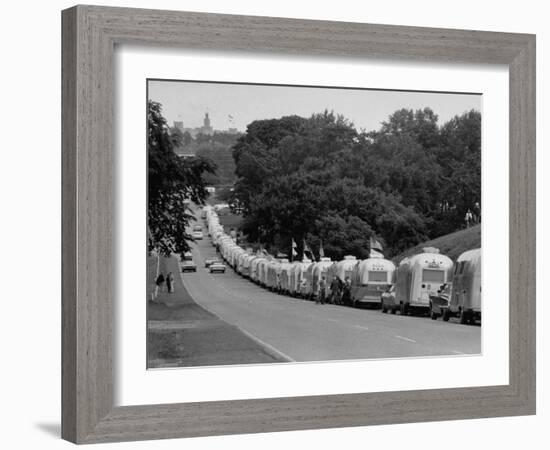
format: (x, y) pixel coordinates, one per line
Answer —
(451, 245)
(151, 274)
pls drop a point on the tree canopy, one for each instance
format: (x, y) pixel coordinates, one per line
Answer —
(320, 179)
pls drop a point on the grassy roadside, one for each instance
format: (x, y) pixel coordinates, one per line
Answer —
(180, 333)
(451, 245)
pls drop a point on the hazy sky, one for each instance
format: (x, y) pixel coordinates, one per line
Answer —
(188, 101)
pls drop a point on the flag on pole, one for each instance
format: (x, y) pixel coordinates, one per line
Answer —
(307, 250)
(321, 251)
(294, 247)
(375, 245)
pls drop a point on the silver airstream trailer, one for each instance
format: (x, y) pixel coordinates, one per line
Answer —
(320, 269)
(306, 282)
(255, 269)
(297, 277)
(465, 300)
(420, 276)
(341, 270)
(344, 268)
(243, 264)
(262, 272)
(272, 278)
(370, 279)
(284, 277)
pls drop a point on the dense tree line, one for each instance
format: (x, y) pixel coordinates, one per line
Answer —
(172, 182)
(320, 179)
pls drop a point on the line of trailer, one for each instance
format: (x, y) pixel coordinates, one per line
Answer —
(426, 283)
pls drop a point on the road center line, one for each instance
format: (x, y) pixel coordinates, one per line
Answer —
(404, 338)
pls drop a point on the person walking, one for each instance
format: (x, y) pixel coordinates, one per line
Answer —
(159, 282)
(322, 291)
(477, 212)
(346, 292)
(170, 282)
(468, 218)
(334, 289)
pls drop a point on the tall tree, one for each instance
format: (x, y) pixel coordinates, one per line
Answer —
(318, 178)
(172, 183)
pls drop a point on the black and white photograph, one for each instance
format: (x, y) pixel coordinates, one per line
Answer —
(306, 223)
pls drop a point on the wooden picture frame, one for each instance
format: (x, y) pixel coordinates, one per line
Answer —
(90, 34)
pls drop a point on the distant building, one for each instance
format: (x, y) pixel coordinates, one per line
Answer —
(206, 128)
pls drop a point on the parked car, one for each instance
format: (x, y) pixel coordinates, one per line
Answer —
(209, 262)
(197, 228)
(388, 301)
(217, 266)
(188, 256)
(188, 266)
(197, 235)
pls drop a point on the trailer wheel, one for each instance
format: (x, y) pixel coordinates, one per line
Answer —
(446, 315)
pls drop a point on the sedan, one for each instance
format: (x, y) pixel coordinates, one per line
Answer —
(217, 266)
(209, 262)
(188, 266)
(197, 235)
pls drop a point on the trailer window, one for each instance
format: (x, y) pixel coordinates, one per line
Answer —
(433, 276)
(381, 276)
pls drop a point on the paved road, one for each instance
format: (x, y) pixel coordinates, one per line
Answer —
(300, 330)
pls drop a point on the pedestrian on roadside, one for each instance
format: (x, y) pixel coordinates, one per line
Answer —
(334, 289)
(477, 212)
(468, 218)
(159, 282)
(322, 291)
(346, 292)
(170, 282)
